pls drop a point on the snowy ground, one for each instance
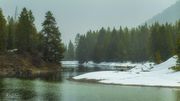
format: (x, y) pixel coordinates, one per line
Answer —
(113, 65)
(70, 63)
(146, 74)
(108, 65)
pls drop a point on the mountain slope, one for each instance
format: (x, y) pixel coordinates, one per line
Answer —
(170, 15)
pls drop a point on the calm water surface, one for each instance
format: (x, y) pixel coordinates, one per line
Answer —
(57, 88)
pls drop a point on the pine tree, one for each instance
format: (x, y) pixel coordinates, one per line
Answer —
(3, 33)
(53, 48)
(101, 46)
(80, 50)
(33, 37)
(65, 53)
(156, 42)
(113, 53)
(70, 52)
(77, 38)
(25, 31)
(91, 40)
(11, 33)
(178, 50)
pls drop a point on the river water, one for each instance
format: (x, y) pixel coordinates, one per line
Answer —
(57, 88)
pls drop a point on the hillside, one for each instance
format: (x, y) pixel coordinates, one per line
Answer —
(169, 15)
(25, 66)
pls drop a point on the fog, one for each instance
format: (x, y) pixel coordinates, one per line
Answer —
(79, 16)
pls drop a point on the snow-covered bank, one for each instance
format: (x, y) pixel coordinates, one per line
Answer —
(159, 75)
(70, 63)
(109, 65)
(114, 65)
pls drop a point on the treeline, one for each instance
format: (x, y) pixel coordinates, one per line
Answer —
(144, 43)
(69, 53)
(22, 36)
(178, 51)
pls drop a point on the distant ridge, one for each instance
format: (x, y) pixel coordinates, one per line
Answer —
(170, 15)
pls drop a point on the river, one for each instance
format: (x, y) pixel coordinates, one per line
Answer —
(56, 88)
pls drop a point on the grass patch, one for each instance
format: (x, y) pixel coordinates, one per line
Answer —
(176, 68)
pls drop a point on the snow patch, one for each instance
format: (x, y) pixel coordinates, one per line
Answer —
(143, 74)
(70, 63)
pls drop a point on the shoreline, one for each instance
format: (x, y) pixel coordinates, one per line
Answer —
(159, 76)
(93, 81)
(29, 74)
(25, 66)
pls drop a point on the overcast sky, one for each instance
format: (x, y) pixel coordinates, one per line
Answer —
(79, 16)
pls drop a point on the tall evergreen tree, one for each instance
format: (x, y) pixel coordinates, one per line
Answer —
(101, 46)
(3, 33)
(11, 33)
(34, 36)
(113, 51)
(91, 40)
(178, 50)
(70, 51)
(80, 50)
(77, 38)
(25, 31)
(177, 40)
(53, 47)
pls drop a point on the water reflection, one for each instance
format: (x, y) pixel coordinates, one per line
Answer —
(1, 90)
(177, 95)
(13, 90)
(36, 89)
(55, 87)
(47, 91)
(22, 90)
(52, 77)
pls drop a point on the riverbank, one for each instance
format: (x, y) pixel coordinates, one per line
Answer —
(93, 81)
(17, 65)
(108, 65)
(160, 75)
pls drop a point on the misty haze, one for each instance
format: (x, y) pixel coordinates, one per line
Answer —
(89, 50)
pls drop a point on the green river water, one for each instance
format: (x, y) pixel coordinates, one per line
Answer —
(59, 89)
